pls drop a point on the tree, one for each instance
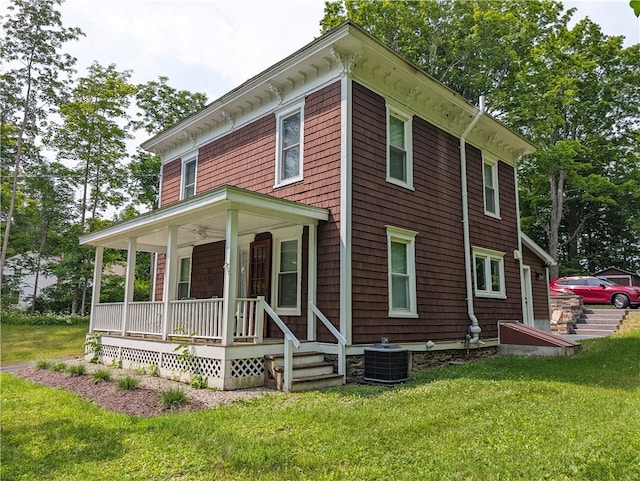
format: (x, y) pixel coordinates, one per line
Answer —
(95, 125)
(36, 78)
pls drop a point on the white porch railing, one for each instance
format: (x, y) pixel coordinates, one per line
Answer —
(197, 318)
(108, 316)
(145, 317)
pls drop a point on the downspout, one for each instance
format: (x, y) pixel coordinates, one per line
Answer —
(474, 330)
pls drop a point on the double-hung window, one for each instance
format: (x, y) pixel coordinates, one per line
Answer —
(399, 148)
(489, 273)
(490, 180)
(189, 178)
(184, 278)
(288, 262)
(289, 135)
(402, 272)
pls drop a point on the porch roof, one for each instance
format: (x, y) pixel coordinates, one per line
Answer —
(202, 219)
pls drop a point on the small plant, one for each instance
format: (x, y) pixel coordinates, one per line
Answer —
(128, 383)
(59, 367)
(173, 398)
(199, 382)
(153, 370)
(42, 364)
(93, 345)
(101, 375)
(116, 363)
(76, 370)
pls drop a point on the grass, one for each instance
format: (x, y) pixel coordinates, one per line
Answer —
(173, 398)
(503, 418)
(20, 344)
(101, 375)
(127, 383)
(77, 370)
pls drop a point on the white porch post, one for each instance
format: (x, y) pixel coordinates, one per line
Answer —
(97, 284)
(312, 281)
(129, 282)
(230, 277)
(170, 276)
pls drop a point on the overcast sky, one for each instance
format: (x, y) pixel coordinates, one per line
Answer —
(212, 46)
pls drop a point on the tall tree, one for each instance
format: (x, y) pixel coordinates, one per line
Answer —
(38, 74)
(95, 125)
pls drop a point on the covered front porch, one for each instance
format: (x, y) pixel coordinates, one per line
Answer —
(223, 337)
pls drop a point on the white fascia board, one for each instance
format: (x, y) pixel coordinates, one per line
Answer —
(536, 249)
(284, 71)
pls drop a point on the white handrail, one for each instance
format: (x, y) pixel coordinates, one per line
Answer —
(342, 341)
(290, 340)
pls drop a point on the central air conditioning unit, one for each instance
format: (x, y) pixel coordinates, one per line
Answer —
(386, 363)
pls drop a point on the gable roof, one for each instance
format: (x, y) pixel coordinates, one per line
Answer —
(346, 50)
(536, 249)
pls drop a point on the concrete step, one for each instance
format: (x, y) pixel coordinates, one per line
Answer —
(310, 369)
(593, 332)
(597, 325)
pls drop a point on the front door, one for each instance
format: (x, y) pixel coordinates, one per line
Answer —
(260, 270)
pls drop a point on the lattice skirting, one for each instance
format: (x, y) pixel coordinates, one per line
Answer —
(240, 372)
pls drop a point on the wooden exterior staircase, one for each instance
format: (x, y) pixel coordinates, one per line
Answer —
(310, 371)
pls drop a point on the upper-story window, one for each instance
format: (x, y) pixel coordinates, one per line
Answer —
(189, 178)
(399, 148)
(402, 272)
(289, 135)
(490, 181)
(489, 273)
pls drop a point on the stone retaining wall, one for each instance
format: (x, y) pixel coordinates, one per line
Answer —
(565, 311)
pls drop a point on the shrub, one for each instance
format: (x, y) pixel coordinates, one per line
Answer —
(199, 382)
(100, 375)
(59, 367)
(128, 383)
(42, 364)
(15, 317)
(173, 398)
(77, 370)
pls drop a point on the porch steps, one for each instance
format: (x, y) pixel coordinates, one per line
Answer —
(599, 322)
(310, 371)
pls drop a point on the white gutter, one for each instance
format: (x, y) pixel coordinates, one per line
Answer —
(474, 328)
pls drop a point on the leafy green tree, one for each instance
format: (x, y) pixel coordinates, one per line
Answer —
(35, 79)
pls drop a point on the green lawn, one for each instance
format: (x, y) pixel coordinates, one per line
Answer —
(503, 418)
(20, 344)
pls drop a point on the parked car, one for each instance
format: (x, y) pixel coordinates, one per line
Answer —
(597, 291)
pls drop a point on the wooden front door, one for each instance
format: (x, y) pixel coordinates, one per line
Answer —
(260, 271)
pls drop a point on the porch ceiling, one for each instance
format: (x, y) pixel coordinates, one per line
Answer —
(203, 219)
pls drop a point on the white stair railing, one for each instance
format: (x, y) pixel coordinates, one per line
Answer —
(342, 341)
(290, 341)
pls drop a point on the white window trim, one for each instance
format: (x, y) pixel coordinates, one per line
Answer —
(397, 234)
(279, 236)
(186, 160)
(493, 162)
(488, 255)
(280, 115)
(183, 253)
(408, 142)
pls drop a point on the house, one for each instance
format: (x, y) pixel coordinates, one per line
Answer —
(619, 276)
(339, 198)
(29, 276)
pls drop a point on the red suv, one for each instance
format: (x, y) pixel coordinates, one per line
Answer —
(597, 291)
